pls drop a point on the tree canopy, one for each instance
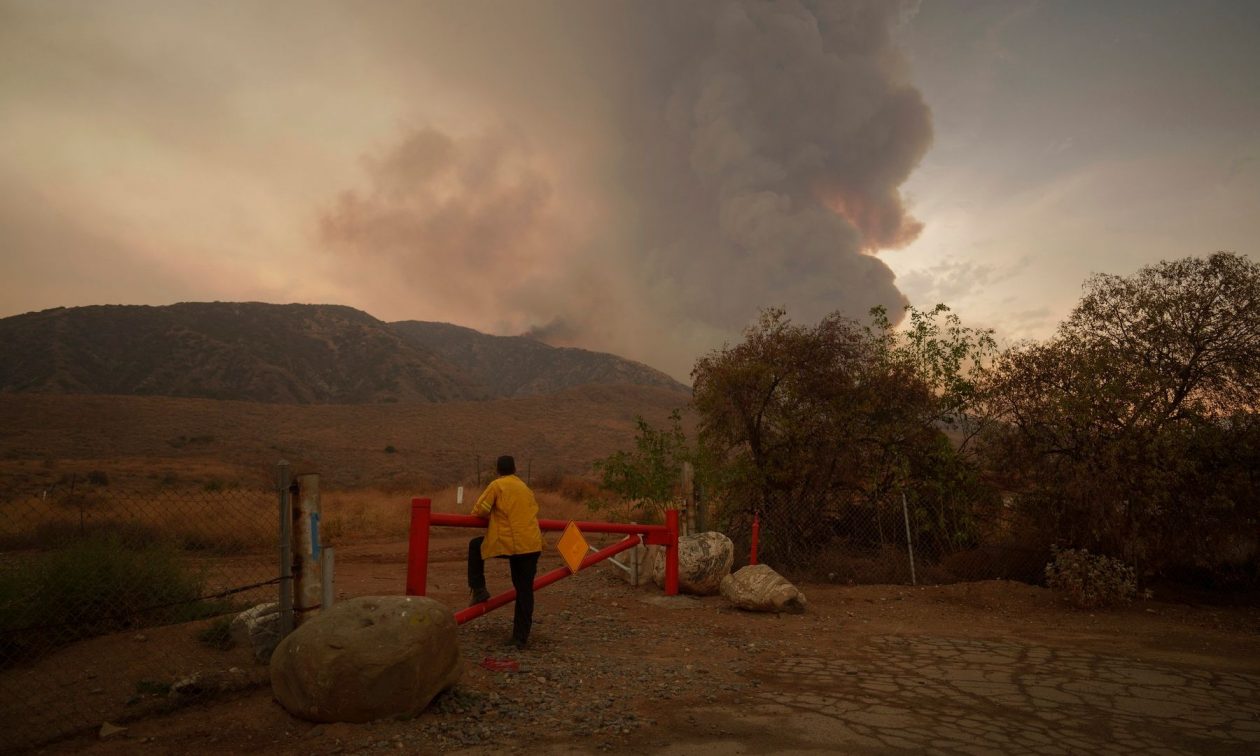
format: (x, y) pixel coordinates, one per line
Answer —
(1133, 429)
(1133, 432)
(816, 427)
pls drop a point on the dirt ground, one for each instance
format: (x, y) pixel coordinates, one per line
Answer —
(993, 667)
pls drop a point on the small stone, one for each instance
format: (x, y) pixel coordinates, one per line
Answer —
(111, 730)
(139, 637)
(189, 686)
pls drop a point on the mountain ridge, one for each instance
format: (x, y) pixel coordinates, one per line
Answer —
(286, 354)
(515, 365)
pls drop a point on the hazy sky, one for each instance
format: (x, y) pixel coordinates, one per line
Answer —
(635, 177)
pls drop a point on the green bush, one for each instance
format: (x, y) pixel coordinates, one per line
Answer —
(93, 586)
(1091, 581)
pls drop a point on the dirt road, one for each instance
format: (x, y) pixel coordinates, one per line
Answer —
(974, 668)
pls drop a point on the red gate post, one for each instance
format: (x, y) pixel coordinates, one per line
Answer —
(671, 553)
(418, 547)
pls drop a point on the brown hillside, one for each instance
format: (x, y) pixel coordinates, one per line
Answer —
(157, 440)
(222, 350)
(296, 354)
(520, 366)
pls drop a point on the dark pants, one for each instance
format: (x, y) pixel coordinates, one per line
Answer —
(524, 568)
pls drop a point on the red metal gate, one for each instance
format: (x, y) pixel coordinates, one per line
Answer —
(423, 517)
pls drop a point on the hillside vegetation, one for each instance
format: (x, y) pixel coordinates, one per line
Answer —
(520, 366)
(294, 354)
(46, 439)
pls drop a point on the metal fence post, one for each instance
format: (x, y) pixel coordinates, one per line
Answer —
(286, 548)
(702, 520)
(905, 512)
(690, 520)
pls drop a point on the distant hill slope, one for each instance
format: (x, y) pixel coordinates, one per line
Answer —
(299, 354)
(221, 350)
(508, 366)
(138, 440)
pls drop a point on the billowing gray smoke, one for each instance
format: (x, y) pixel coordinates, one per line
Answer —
(652, 173)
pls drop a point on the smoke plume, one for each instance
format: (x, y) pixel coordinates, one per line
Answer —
(644, 175)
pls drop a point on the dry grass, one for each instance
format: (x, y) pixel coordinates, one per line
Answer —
(224, 522)
(200, 473)
(230, 521)
(373, 514)
(189, 443)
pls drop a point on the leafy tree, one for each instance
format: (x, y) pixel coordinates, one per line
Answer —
(937, 349)
(816, 427)
(647, 478)
(1132, 431)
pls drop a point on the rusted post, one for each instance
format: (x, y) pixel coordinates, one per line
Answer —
(307, 581)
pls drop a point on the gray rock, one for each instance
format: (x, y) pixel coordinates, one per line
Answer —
(703, 560)
(212, 682)
(759, 588)
(367, 658)
(640, 561)
(258, 629)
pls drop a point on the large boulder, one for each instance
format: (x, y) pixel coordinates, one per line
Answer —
(637, 563)
(367, 658)
(760, 589)
(258, 629)
(703, 560)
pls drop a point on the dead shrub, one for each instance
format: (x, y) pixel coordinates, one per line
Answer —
(1091, 581)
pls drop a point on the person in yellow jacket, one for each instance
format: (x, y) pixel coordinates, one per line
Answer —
(513, 534)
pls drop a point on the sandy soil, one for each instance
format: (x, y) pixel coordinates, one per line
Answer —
(981, 667)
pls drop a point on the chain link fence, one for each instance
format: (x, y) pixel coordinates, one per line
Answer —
(894, 541)
(115, 603)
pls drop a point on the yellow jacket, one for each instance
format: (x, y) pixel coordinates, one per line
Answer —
(513, 514)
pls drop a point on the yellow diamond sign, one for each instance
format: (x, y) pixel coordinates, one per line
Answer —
(573, 547)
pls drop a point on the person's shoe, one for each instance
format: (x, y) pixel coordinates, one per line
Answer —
(517, 643)
(479, 596)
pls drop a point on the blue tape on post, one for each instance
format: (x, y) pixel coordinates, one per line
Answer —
(315, 535)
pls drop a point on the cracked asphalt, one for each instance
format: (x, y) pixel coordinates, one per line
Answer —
(977, 668)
